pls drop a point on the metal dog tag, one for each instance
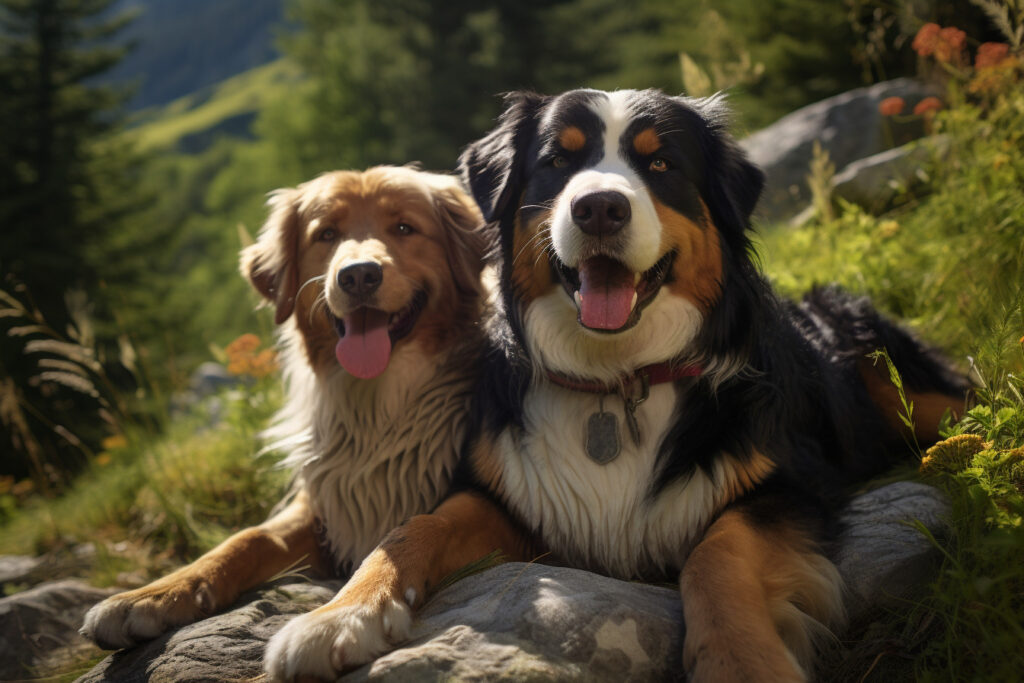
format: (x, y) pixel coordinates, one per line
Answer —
(631, 404)
(602, 440)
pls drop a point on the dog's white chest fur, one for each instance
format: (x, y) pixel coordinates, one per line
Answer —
(372, 454)
(601, 515)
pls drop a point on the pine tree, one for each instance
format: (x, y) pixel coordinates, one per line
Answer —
(394, 81)
(50, 114)
(59, 189)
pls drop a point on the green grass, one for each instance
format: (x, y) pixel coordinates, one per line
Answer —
(951, 262)
(248, 92)
(161, 500)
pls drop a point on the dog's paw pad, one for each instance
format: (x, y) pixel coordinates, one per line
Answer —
(128, 618)
(332, 639)
(117, 623)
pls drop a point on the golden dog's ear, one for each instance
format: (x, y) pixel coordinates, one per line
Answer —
(465, 243)
(271, 264)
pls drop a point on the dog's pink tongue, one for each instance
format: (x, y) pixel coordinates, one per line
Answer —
(606, 289)
(366, 347)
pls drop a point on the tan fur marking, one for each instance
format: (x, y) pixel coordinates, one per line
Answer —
(646, 142)
(698, 266)
(929, 407)
(486, 465)
(572, 139)
(754, 600)
(743, 475)
(426, 549)
(531, 271)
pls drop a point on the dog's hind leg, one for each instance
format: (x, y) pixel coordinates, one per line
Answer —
(209, 584)
(755, 598)
(373, 612)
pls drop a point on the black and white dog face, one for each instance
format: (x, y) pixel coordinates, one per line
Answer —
(622, 218)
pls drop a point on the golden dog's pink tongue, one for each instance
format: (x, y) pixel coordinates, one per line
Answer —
(606, 289)
(366, 347)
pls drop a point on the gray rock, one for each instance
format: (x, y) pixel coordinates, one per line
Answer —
(226, 647)
(848, 127)
(209, 378)
(884, 557)
(535, 622)
(18, 569)
(39, 629)
(873, 182)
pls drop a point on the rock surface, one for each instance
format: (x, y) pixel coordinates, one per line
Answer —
(39, 629)
(18, 572)
(883, 556)
(534, 622)
(848, 126)
(873, 182)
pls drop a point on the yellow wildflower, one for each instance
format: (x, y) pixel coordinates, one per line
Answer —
(952, 455)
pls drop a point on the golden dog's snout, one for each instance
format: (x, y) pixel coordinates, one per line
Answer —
(360, 279)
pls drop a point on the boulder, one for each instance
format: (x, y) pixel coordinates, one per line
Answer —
(884, 558)
(39, 629)
(534, 622)
(873, 182)
(847, 126)
(18, 569)
(18, 572)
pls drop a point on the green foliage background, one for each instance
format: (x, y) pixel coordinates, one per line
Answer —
(152, 210)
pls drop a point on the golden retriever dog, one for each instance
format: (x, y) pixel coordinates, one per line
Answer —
(375, 280)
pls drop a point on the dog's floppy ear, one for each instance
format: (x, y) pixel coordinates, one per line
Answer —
(271, 263)
(735, 183)
(492, 166)
(465, 244)
(738, 181)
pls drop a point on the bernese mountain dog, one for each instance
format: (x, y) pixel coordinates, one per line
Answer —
(648, 408)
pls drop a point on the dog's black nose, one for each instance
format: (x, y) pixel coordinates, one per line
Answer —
(600, 213)
(360, 279)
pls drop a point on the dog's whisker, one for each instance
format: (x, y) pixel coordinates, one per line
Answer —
(541, 236)
(317, 278)
(320, 301)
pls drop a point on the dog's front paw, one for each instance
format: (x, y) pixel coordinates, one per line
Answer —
(742, 661)
(336, 637)
(128, 618)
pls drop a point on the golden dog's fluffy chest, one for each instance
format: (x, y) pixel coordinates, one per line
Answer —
(375, 453)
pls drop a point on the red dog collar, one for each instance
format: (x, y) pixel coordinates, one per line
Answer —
(659, 373)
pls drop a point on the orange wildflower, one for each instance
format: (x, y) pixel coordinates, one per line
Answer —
(995, 77)
(990, 54)
(244, 344)
(928, 104)
(263, 363)
(951, 44)
(925, 40)
(946, 44)
(891, 106)
(114, 442)
(246, 358)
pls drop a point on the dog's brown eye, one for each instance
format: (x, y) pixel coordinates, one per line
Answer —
(405, 229)
(559, 161)
(659, 165)
(328, 235)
